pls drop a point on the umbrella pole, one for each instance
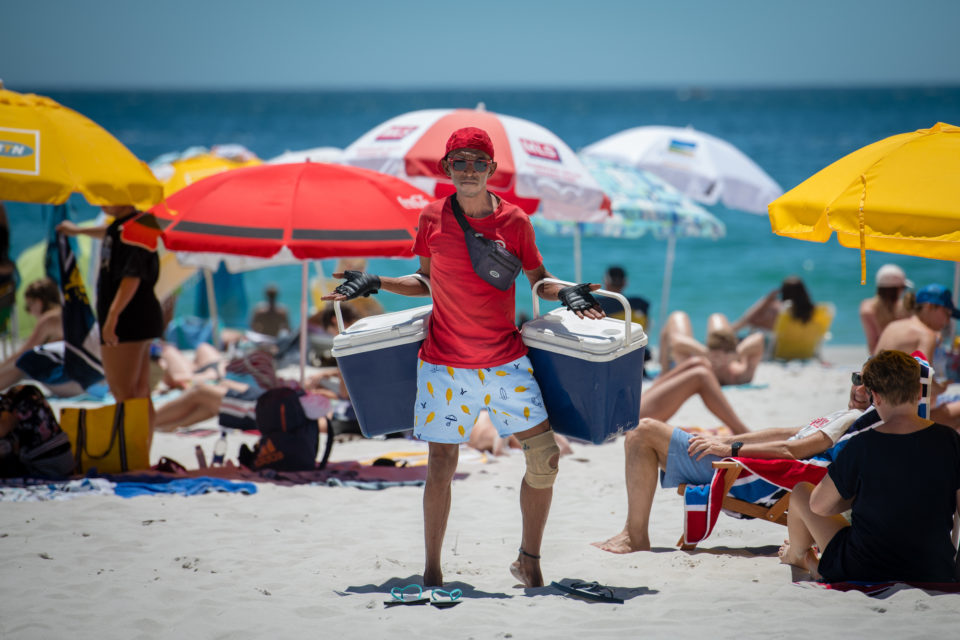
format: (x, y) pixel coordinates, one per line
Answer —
(212, 306)
(303, 321)
(667, 275)
(577, 255)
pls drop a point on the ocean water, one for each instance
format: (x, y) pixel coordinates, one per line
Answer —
(790, 133)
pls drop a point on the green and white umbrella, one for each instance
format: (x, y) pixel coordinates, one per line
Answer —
(641, 203)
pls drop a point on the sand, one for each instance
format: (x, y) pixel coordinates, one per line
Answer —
(318, 561)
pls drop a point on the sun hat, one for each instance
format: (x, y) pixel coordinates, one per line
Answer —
(890, 275)
(469, 138)
(938, 294)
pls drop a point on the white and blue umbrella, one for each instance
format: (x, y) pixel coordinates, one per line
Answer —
(641, 204)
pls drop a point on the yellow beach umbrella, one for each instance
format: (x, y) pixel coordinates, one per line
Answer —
(48, 151)
(198, 163)
(900, 195)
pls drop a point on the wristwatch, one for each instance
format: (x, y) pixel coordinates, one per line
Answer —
(735, 449)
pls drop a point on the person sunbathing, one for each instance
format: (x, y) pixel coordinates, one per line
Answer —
(42, 298)
(887, 305)
(683, 458)
(902, 481)
(732, 362)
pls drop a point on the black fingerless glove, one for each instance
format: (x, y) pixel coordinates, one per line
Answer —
(577, 297)
(358, 283)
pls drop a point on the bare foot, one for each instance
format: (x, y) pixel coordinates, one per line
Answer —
(806, 560)
(622, 543)
(432, 578)
(527, 571)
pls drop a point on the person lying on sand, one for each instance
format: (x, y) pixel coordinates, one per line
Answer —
(902, 481)
(684, 458)
(732, 362)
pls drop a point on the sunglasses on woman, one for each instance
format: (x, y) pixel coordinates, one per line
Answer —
(460, 164)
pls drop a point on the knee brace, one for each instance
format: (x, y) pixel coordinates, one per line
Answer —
(538, 450)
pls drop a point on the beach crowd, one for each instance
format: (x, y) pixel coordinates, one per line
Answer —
(862, 521)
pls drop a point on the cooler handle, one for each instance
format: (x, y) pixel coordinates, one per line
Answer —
(627, 316)
(336, 303)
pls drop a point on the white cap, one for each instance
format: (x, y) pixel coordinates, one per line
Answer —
(890, 275)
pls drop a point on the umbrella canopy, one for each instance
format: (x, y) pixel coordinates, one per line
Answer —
(178, 170)
(702, 166)
(642, 203)
(314, 210)
(48, 151)
(535, 168)
(900, 194)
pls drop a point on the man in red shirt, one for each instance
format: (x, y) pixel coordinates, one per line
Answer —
(473, 358)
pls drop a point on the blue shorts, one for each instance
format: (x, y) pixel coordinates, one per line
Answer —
(681, 468)
(449, 400)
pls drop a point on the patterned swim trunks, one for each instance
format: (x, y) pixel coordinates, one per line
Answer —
(450, 399)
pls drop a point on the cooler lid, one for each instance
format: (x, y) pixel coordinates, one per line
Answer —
(409, 323)
(561, 328)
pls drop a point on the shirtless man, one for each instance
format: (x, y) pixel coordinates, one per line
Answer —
(885, 307)
(921, 331)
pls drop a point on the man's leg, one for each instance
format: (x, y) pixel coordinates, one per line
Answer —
(534, 504)
(646, 449)
(441, 466)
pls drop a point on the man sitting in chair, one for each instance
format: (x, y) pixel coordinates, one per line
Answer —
(683, 458)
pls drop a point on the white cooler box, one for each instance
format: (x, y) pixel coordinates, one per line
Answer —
(377, 357)
(589, 371)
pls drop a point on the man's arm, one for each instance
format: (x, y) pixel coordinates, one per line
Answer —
(770, 444)
(412, 285)
(550, 290)
(826, 500)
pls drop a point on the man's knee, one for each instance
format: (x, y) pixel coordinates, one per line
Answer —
(542, 455)
(442, 461)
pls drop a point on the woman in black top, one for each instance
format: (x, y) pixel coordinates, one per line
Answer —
(902, 481)
(128, 311)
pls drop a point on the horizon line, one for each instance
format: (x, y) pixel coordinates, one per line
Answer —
(692, 88)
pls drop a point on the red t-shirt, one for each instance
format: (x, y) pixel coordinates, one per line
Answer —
(472, 325)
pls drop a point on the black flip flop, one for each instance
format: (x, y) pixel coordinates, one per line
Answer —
(589, 590)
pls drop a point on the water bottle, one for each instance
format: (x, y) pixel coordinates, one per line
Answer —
(219, 450)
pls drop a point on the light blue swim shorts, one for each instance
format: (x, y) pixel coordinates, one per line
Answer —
(681, 468)
(450, 399)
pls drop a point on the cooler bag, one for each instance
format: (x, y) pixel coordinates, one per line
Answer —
(377, 356)
(589, 371)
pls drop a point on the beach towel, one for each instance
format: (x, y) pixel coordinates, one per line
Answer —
(763, 482)
(181, 486)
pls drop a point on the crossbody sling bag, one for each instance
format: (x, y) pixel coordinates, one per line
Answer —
(491, 262)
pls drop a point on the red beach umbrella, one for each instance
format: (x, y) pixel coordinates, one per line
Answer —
(535, 168)
(315, 210)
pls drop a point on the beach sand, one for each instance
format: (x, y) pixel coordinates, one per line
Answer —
(319, 561)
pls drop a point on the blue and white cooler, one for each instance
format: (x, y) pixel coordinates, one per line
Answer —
(589, 371)
(377, 357)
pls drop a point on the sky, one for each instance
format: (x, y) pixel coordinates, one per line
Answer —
(391, 44)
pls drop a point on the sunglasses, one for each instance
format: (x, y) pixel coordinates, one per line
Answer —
(856, 378)
(459, 164)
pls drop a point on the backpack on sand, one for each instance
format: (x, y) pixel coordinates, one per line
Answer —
(288, 438)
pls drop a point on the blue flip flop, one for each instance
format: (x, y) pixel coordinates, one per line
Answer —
(412, 594)
(443, 599)
(589, 590)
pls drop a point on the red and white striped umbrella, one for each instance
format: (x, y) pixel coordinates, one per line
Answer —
(535, 168)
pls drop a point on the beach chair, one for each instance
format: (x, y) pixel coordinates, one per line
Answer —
(756, 488)
(795, 340)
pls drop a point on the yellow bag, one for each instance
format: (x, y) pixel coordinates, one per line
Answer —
(110, 439)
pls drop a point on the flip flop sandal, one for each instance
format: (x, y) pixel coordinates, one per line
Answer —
(412, 594)
(589, 590)
(445, 599)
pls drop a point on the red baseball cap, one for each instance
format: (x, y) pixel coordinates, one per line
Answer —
(469, 138)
